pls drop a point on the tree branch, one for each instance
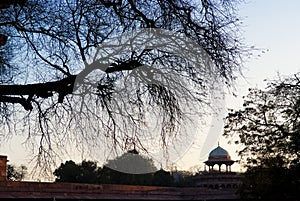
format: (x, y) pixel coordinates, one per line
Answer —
(44, 90)
(24, 102)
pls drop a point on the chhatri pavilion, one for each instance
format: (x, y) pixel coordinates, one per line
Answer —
(218, 179)
(219, 156)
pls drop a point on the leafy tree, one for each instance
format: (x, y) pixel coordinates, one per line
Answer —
(186, 179)
(130, 168)
(132, 162)
(86, 172)
(268, 127)
(16, 173)
(162, 178)
(67, 172)
(271, 181)
(111, 176)
(89, 172)
(268, 123)
(54, 43)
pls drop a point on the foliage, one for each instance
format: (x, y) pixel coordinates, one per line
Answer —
(16, 173)
(132, 162)
(129, 168)
(53, 42)
(268, 123)
(184, 178)
(86, 172)
(134, 169)
(274, 182)
(111, 176)
(162, 178)
(268, 128)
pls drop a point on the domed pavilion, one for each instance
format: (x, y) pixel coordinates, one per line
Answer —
(219, 156)
(219, 179)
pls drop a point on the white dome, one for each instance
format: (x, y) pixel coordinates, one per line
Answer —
(219, 151)
(219, 154)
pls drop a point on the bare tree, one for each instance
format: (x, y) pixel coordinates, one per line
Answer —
(108, 69)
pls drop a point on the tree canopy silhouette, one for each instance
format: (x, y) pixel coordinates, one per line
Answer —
(15, 173)
(52, 45)
(268, 128)
(268, 123)
(85, 172)
(111, 173)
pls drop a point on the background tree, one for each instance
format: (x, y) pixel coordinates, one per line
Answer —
(271, 181)
(111, 173)
(111, 176)
(268, 128)
(131, 168)
(162, 178)
(86, 172)
(268, 123)
(184, 178)
(53, 43)
(16, 173)
(132, 162)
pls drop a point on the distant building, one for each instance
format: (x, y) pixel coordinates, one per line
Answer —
(218, 179)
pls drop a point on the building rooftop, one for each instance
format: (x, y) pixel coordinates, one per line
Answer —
(218, 152)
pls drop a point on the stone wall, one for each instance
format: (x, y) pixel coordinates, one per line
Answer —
(74, 191)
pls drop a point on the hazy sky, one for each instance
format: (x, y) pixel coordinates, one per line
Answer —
(273, 27)
(269, 25)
